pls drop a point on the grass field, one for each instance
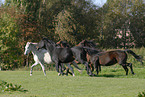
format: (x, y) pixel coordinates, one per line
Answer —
(111, 82)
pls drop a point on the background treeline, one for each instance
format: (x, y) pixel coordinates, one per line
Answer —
(118, 24)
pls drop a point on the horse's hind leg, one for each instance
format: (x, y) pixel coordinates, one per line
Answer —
(125, 68)
(77, 67)
(32, 68)
(43, 68)
(70, 67)
(96, 65)
(130, 65)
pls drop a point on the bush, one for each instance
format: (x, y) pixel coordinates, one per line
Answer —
(141, 94)
(4, 86)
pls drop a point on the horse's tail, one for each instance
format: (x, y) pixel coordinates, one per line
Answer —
(139, 58)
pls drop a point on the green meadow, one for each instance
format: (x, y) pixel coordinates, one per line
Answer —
(111, 82)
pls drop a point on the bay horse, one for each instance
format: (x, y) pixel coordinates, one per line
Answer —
(108, 58)
(41, 56)
(62, 55)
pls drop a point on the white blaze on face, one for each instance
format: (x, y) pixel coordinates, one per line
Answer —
(26, 48)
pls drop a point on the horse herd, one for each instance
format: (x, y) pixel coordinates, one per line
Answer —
(60, 53)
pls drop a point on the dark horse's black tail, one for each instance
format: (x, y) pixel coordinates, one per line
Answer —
(135, 56)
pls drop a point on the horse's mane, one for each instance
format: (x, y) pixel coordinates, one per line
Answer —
(91, 51)
(34, 43)
(88, 43)
(49, 41)
(63, 44)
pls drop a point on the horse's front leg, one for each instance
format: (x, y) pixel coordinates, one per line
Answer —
(32, 68)
(130, 65)
(89, 71)
(57, 68)
(70, 67)
(61, 69)
(57, 65)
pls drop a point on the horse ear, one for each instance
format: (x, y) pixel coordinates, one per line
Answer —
(28, 43)
(40, 44)
(58, 42)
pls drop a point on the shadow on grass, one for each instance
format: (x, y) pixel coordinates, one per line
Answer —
(109, 75)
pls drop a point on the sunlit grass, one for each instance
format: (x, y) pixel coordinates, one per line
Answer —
(111, 82)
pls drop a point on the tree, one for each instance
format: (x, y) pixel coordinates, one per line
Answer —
(137, 22)
(117, 17)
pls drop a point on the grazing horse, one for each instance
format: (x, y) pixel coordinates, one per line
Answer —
(41, 56)
(108, 58)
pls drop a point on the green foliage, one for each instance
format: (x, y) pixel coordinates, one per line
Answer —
(70, 20)
(122, 16)
(141, 94)
(8, 37)
(4, 86)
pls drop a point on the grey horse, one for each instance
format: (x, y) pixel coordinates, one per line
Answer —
(42, 56)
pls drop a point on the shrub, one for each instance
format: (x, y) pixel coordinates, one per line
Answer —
(141, 94)
(4, 86)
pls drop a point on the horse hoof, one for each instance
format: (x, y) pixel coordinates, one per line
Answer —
(30, 74)
(73, 74)
(90, 75)
(58, 74)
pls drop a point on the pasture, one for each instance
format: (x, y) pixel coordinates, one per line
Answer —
(111, 82)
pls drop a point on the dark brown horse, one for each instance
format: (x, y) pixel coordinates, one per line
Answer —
(64, 44)
(79, 53)
(108, 58)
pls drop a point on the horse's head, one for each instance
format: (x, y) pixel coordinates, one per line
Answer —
(90, 43)
(63, 44)
(27, 48)
(81, 43)
(87, 43)
(43, 42)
